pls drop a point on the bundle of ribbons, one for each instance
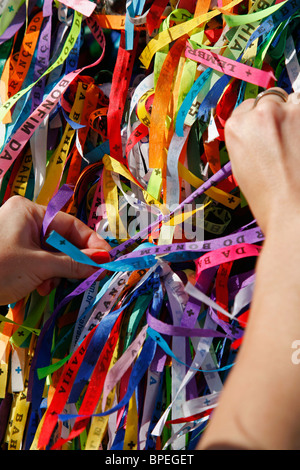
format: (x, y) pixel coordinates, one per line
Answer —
(115, 113)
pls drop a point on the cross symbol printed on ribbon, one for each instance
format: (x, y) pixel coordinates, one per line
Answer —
(131, 445)
(233, 329)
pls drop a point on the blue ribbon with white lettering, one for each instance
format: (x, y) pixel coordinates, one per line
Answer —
(188, 101)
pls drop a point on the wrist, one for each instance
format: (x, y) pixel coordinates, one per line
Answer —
(283, 222)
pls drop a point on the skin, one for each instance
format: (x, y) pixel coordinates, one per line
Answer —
(259, 406)
(24, 264)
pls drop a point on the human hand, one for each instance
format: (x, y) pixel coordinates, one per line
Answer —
(25, 265)
(263, 143)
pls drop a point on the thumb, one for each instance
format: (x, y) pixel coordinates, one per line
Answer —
(63, 266)
(68, 268)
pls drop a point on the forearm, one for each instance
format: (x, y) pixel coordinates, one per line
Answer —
(259, 407)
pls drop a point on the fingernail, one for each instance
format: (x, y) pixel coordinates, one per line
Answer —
(100, 257)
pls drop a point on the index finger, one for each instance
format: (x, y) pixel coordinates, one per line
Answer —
(244, 107)
(77, 232)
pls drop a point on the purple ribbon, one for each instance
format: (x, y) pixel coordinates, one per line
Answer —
(17, 22)
(57, 202)
(171, 330)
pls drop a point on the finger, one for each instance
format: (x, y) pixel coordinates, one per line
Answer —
(234, 121)
(98, 256)
(244, 107)
(77, 232)
(46, 287)
(294, 98)
(272, 95)
(63, 266)
(67, 268)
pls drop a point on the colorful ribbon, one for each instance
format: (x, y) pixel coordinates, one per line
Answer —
(117, 117)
